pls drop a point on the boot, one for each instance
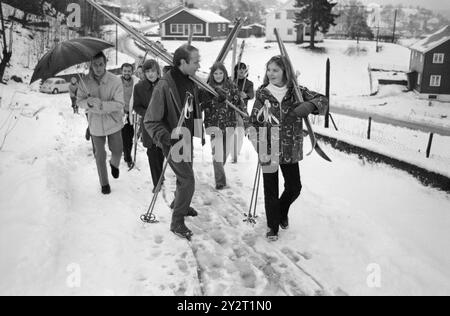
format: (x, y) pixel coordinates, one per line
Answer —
(115, 172)
(179, 228)
(106, 189)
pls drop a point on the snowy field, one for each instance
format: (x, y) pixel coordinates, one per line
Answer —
(358, 229)
(350, 84)
(401, 143)
(351, 89)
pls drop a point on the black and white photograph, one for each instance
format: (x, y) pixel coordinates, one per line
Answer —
(235, 150)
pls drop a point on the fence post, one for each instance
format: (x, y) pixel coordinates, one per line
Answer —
(327, 116)
(370, 128)
(430, 142)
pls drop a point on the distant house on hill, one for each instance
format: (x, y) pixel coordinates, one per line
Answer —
(258, 30)
(207, 25)
(430, 66)
(283, 19)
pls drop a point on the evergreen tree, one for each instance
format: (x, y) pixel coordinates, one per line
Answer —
(317, 14)
(356, 22)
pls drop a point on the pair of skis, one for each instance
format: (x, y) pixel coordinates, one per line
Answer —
(157, 51)
(298, 95)
(251, 217)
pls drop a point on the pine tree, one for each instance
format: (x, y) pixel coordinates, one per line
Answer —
(356, 22)
(317, 14)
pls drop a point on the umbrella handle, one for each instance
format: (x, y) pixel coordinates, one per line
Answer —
(84, 85)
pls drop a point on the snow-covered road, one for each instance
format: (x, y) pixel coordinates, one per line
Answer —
(356, 226)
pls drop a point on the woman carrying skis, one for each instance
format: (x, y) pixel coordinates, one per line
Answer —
(247, 92)
(244, 85)
(275, 105)
(219, 117)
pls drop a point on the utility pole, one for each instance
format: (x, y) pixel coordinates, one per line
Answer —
(117, 44)
(395, 25)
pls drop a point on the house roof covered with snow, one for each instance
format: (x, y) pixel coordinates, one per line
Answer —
(433, 41)
(204, 15)
(208, 16)
(170, 13)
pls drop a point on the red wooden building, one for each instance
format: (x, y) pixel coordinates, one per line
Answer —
(207, 25)
(430, 66)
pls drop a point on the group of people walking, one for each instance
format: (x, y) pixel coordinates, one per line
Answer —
(163, 100)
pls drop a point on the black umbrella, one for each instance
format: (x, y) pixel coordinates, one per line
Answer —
(68, 54)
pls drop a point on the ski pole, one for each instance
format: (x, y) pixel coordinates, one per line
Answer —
(149, 217)
(249, 217)
(136, 126)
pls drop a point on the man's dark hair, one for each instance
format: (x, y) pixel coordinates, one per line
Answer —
(100, 55)
(184, 52)
(128, 65)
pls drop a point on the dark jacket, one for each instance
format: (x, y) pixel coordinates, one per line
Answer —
(220, 114)
(248, 89)
(143, 92)
(163, 113)
(291, 130)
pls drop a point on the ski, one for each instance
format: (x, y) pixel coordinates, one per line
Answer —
(137, 120)
(299, 97)
(239, 60)
(158, 51)
(230, 40)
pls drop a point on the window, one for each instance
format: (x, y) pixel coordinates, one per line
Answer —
(290, 31)
(177, 28)
(438, 58)
(278, 16)
(291, 14)
(435, 81)
(198, 28)
(419, 79)
(219, 27)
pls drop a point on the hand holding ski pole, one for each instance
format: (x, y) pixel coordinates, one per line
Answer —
(149, 217)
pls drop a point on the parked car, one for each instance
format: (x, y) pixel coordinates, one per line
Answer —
(55, 86)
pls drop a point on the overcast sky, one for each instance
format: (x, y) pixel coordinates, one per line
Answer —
(436, 5)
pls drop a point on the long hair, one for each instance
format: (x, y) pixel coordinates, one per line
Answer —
(237, 68)
(152, 65)
(214, 68)
(277, 60)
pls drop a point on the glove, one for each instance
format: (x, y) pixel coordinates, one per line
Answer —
(166, 140)
(302, 110)
(94, 103)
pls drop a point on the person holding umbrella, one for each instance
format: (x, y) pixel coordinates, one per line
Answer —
(101, 94)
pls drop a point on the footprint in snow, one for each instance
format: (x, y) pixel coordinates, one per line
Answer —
(159, 239)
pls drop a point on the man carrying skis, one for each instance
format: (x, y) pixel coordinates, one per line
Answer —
(162, 118)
